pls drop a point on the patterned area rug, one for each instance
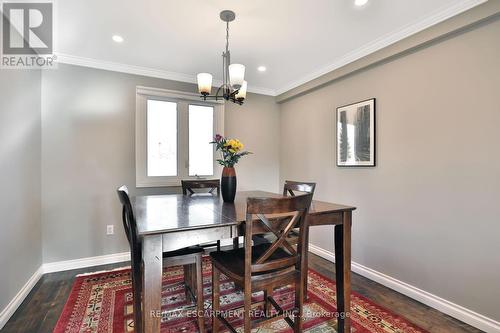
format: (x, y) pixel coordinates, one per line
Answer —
(102, 302)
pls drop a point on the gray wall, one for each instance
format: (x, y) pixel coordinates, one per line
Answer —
(429, 213)
(88, 149)
(20, 235)
(256, 123)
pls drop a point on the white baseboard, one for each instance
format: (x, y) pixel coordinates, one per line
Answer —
(328, 255)
(66, 265)
(9, 310)
(454, 310)
(58, 266)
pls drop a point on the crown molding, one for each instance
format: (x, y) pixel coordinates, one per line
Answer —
(384, 41)
(367, 49)
(143, 71)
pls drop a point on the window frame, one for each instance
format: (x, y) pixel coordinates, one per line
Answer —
(183, 100)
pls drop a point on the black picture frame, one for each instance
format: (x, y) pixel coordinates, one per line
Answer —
(356, 144)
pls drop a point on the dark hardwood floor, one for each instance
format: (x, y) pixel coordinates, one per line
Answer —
(414, 311)
(41, 309)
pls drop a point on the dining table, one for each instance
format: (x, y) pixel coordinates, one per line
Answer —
(173, 221)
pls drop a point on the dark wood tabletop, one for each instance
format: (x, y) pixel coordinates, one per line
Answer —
(159, 214)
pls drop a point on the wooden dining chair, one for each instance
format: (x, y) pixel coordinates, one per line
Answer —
(189, 257)
(213, 185)
(265, 266)
(291, 187)
(191, 184)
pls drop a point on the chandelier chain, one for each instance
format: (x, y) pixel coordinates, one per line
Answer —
(227, 36)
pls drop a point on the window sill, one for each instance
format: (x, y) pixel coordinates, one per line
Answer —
(158, 184)
(176, 182)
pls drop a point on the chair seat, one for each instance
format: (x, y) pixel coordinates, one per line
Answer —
(260, 239)
(234, 260)
(184, 251)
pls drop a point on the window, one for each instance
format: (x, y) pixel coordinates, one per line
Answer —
(162, 138)
(201, 132)
(173, 131)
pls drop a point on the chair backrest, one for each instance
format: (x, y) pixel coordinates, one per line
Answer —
(211, 184)
(291, 187)
(130, 225)
(296, 208)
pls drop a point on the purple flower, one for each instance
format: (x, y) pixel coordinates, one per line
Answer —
(218, 138)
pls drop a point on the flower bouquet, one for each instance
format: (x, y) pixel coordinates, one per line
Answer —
(231, 151)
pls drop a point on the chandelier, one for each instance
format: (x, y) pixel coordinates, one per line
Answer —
(234, 87)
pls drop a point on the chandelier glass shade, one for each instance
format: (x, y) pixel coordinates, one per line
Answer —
(234, 86)
(204, 83)
(236, 75)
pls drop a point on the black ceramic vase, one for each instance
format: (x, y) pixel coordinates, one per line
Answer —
(228, 184)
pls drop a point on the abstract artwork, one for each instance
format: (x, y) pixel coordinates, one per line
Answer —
(356, 134)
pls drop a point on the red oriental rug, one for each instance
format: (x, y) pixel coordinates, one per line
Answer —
(102, 302)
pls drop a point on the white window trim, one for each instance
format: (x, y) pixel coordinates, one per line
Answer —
(142, 95)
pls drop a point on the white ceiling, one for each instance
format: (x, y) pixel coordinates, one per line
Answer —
(297, 40)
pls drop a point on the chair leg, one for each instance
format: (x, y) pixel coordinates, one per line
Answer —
(193, 279)
(188, 272)
(236, 243)
(199, 294)
(306, 268)
(305, 289)
(267, 305)
(218, 245)
(136, 292)
(299, 304)
(142, 318)
(247, 321)
(215, 299)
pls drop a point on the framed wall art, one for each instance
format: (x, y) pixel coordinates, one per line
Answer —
(356, 134)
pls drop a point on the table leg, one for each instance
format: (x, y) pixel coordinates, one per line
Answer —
(306, 267)
(343, 272)
(152, 259)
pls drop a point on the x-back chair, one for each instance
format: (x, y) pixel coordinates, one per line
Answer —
(190, 257)
(265, 266)
(213, 185)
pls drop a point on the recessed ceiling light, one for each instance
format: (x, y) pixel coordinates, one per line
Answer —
(261, 68)
(118, 38)
(360, 3)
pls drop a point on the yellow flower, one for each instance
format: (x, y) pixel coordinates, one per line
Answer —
(234, 145)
